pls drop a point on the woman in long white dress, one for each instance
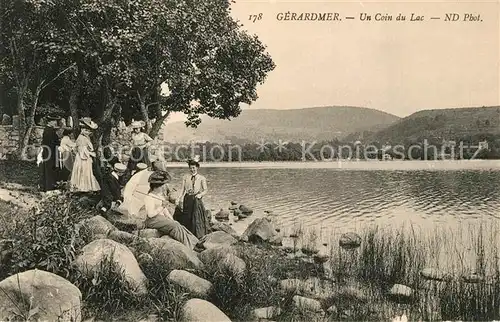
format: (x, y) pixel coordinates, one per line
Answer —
(82, 176)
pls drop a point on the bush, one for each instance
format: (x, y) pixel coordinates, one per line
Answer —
(46, 237)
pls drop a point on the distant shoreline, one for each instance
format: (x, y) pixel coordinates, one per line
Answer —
(354, 165)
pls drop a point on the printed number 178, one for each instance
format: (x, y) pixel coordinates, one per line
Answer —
(254, 18)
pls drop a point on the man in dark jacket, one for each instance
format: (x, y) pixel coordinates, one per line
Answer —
(111, 189)
(48, 167)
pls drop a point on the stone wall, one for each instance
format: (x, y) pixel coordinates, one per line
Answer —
(9, 140)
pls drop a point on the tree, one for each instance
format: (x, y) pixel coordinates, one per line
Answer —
(115, 55)
(26, 58)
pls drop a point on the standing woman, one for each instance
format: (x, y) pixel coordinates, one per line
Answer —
(66, 154)
(82, 176)
(194, 187)
(48, 167)
(140, 144)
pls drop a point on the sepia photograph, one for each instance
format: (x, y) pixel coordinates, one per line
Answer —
(249, 160)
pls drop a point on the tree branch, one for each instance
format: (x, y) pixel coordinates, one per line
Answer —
(58, 75)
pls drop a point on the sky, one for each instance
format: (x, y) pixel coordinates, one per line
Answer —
(393, 66)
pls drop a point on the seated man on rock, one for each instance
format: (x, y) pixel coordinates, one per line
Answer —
(111, 192)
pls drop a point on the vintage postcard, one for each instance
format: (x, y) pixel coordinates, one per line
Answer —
(249, 160)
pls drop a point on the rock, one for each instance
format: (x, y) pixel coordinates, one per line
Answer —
(312, 287)
(309, 250)
(245, 210)
(332, 310)
(97, 225)
(193, 284)
(266, 312)
(198, 310)
(6, 120)
(434, 274)
(276, 240)
(261, 229)
(16, 121)
(473, 278)
(225, 258)
(147, 233)
(218, 226)
(145, 258)
(123, 237)
(94, 254)
(125, 222)
(215, 239)
(350, 241)
(173, 254)
(234, 203)
(222, 215)
(53, 297)
(321, 258)
(401, 293)
(305, 304)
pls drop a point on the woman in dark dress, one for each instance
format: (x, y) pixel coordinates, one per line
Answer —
(48, 167)
(194, 187)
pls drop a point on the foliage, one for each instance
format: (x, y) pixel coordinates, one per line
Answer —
(48, 238)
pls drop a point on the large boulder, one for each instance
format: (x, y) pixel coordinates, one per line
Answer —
(215, 239)
(261, 229)
(225, 259)
(193, 284)
(97, 252)
(97, 225)
(198, 310)
(173, 254)
(48, 296)
(219, 226)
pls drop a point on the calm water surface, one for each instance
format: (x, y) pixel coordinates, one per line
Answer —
(343, 198)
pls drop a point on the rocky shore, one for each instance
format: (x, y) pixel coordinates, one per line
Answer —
(68, 262)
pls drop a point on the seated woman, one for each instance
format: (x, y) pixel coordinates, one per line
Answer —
(157, 215)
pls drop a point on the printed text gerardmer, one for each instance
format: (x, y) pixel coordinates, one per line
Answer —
(307, 16)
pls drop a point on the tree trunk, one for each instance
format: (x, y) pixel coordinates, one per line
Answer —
(74, 101)
(158, 124)
(30, 123)
(144, 111)
(21, 92)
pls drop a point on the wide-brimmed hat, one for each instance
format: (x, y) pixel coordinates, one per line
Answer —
(141, 166)
(120, 167)
(160, 177)
(194, 161)
(138, 124)
(159, 165)
(87, 122)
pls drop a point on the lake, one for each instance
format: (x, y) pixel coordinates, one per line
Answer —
(453, 206)
(348, 195)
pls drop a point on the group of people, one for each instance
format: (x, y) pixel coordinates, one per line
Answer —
(76, 163)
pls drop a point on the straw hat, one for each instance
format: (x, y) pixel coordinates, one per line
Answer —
(142, 166)
(87, 122)
(120, 167)
(194, 161)
(160, 177)
(138, 124)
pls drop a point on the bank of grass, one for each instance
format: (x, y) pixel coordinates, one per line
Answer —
(359, 279)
